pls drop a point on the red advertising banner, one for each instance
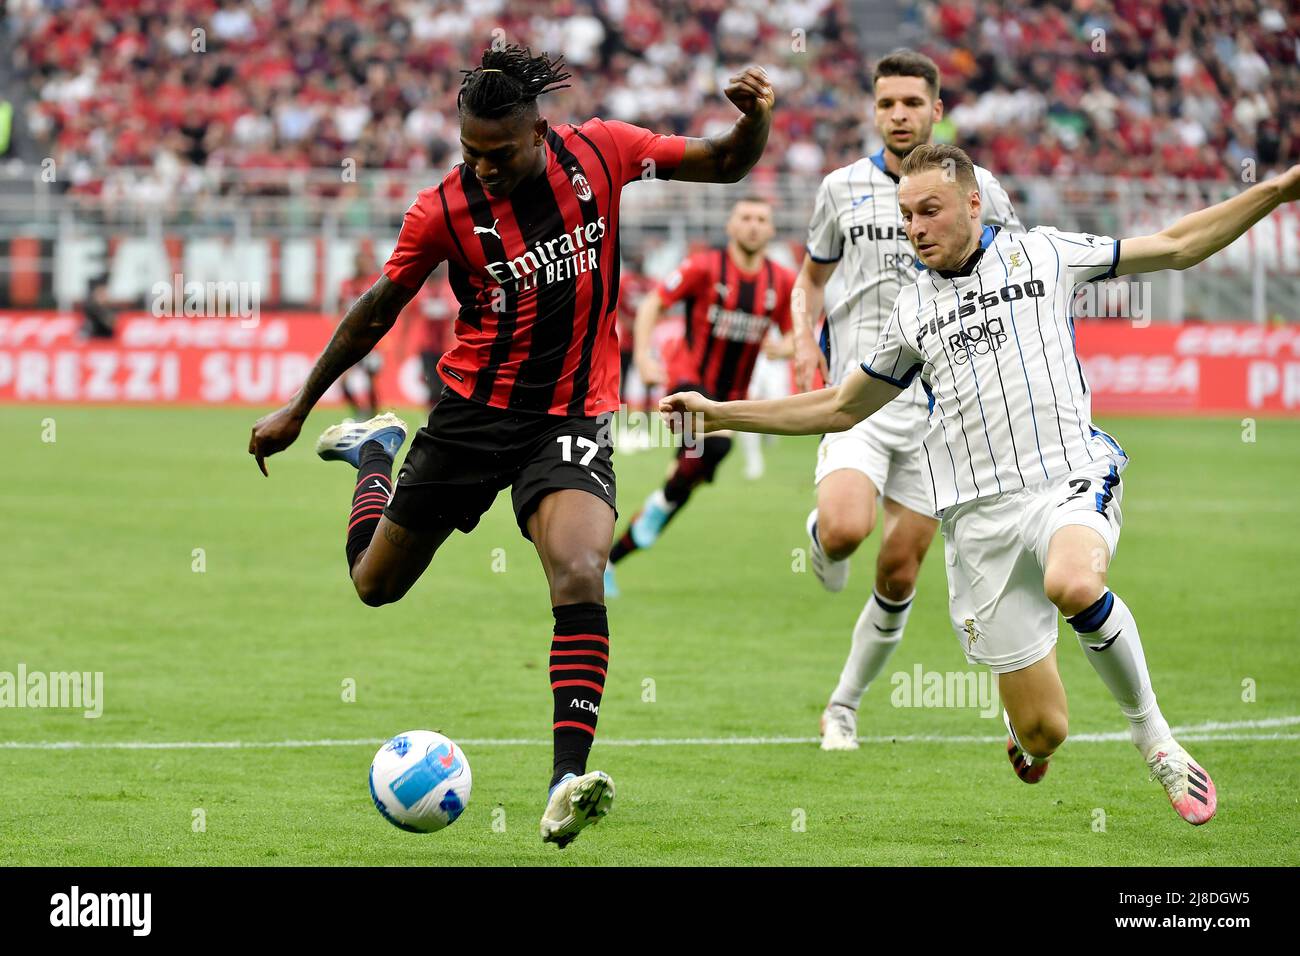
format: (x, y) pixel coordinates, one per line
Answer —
(195, 360)
(1187, 369)
(1191, 369)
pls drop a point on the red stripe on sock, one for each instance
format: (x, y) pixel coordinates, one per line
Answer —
(583, 637)
(603, 657)
(371, 494)
(578, 667)
(363, 515)
(556, 685)
(561, 724)
(376, 476)
(368, 517)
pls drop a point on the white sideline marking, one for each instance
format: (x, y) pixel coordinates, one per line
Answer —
(1211, 730)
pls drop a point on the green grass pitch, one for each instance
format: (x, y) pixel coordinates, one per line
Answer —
(715, 636)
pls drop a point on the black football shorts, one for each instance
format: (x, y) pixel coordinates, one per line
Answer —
(469, 451)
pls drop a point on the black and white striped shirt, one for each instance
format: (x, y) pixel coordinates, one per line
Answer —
(856, 222)
(993, 345)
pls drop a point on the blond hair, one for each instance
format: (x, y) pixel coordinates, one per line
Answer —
(956, 165)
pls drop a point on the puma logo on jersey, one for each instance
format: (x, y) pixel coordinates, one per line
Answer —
(488, 230)
(602, 484)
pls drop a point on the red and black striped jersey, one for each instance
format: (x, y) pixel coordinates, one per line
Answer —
(535, 272)
(728, 314)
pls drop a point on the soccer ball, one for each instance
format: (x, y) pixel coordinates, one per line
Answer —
(420, 781)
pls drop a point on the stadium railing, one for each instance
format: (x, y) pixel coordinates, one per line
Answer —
(330, 211)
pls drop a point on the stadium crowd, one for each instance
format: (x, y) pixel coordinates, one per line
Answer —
(1128, 87)
(1134, 88)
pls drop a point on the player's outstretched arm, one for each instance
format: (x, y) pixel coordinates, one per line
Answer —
(370, 317)
(1201, 234)
(808, 413)
(727, 157)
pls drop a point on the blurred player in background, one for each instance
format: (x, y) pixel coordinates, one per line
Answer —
(771, 379)
(633, 286)
(1028, 489)
(364, 275)
(528, 225)
(856, 235)
(733, 295)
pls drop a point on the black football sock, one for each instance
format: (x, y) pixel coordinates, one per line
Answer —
(579, 659)
(694, 470)
(374, 486)
(624, 545)
(689, 474)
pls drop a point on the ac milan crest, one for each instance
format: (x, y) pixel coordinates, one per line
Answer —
(581, 187)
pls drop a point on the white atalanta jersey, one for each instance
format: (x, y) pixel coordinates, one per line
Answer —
(993, 346)
(856, 223)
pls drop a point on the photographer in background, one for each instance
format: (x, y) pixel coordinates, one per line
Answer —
(99, 318)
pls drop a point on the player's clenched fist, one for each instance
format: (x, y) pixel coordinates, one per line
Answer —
(272, 433)
(751, 90)
(687, 411)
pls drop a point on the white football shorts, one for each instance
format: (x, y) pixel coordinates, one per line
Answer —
(887, 448)
(996, 550)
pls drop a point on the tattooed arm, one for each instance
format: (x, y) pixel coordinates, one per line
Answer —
(729, 156)
(370, 317)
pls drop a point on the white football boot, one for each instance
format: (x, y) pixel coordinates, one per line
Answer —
(1190, 788)
(832, 574)
(839, 728)
(576, 803)
(343, 442)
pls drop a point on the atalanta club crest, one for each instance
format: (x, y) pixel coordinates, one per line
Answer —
(581, 187)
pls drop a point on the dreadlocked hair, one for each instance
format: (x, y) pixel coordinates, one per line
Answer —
(509, 81)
